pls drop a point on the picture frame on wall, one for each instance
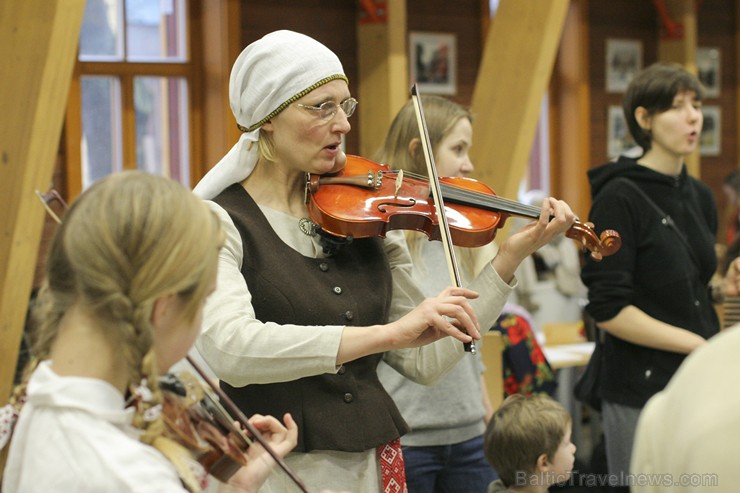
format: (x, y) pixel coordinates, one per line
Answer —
(710, 142)
(623, 61)
(619, 140)
(433, 62)
(708, 69)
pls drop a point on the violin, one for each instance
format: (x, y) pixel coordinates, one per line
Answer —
(201, 423)
(368, 199)
(197, 422)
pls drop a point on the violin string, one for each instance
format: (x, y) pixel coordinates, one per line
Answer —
(482, 200)
(491, 201)
(226, 419)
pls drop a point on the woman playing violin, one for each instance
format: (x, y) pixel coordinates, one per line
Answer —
(291, 328)
(126, 280)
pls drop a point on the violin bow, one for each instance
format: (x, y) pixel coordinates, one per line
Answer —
(444, 227)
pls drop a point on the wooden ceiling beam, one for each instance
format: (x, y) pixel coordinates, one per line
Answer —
(517, 62)
(38, 46)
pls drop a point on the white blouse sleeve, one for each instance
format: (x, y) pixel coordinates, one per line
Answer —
(239, 348)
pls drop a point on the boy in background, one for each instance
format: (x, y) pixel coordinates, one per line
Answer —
(528, 443)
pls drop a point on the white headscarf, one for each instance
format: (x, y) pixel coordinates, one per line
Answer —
(267, 76)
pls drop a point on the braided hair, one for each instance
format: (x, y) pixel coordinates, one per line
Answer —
(129, 240)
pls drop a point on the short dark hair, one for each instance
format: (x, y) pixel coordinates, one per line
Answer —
(654, 89)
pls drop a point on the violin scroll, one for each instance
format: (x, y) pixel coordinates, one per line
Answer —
(608, 243)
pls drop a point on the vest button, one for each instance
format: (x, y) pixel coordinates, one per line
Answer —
(349, 315)
(342, 370)
(337, 290)
(348, 397)
(324, 266)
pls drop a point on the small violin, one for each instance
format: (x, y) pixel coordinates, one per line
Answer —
(367, 199)
(200, 422)
(197, 422)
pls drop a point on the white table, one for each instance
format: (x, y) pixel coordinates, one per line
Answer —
(566, 360)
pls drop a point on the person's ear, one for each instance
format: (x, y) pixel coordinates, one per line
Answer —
(268, 126)
(643, 118)
(163, 310)
(414, 147)
(542, 463)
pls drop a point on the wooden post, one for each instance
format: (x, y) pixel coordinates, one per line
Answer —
(382, 65)
(38, 46)
(570, 110)
(515, 70)
(221, 20)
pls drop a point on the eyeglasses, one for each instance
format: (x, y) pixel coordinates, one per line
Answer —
(328, 109)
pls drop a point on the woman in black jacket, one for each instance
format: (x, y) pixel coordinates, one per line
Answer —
(652, 297)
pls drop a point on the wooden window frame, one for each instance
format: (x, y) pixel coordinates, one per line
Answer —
(191, 69)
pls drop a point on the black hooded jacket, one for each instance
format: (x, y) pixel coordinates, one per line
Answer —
(653, 271)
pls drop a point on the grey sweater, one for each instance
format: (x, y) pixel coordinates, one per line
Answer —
(450, 411)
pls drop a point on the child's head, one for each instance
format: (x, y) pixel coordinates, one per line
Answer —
(528, 439)
(654, 89)
(129, 240)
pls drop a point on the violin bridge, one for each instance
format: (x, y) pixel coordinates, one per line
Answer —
(399, 182)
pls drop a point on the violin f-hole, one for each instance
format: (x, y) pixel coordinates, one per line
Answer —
(409, 203)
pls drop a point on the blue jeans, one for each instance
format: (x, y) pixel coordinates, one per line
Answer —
(457, 468)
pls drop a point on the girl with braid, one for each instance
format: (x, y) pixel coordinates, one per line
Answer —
(127, 276)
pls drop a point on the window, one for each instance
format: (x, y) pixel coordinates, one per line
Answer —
(131, 100)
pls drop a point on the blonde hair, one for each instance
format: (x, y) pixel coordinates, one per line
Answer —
(130, 239)
(265, 147)
(521, 430)
(440, 115)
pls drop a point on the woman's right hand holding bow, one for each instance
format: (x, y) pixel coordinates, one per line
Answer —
(447, 314)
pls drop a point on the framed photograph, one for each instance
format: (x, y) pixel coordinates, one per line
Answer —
(433, 62)
(619, 140)
(623, 61)
(708, 68)
(709, 142)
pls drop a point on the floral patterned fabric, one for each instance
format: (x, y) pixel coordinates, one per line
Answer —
(526, 371)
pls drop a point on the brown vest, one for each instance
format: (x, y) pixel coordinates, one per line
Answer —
(347, 411)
